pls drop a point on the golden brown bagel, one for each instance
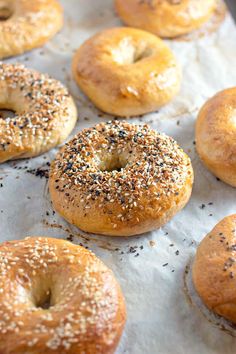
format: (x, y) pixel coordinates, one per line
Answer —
(45, 112)
(165, 18)
(56, 297)
(126, 72)
(214, 269)
(120, 179)
(216, 135)
(28, 24)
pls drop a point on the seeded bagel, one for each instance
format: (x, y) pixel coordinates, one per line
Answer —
(214, 269)
(45, 112)
(120, 179)
(56, 297)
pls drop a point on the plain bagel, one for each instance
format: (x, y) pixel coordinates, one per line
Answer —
(126, 71)
(56, 297)
(27, 24)
(216, 135)
(120, 179)
(166, 18)
(45, 112)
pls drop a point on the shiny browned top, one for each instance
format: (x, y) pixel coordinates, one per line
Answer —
(126, 71)
(216, 135)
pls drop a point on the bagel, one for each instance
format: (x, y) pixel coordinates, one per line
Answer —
(214, 269)
(126, 72)
(27, 24)
(56, 297)
(166, 18)
(45, 112)
(120, 179)
(216, 135)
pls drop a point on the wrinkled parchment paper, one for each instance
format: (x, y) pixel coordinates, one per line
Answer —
(151, 268)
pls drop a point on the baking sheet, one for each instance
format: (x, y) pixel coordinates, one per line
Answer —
(150, 268)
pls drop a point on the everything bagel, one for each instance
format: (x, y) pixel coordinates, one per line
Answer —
(45, 112)
(120, 179)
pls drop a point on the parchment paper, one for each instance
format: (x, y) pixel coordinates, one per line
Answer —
(150, 268)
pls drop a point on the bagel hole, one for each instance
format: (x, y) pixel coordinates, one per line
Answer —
(129, 53)
(109, 167)
(142, 55)
(7, 113)
(5, 12)
(112, 162)
(44, 301)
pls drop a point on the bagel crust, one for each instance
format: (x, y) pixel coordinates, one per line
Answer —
(216, 135)
(214, 269)
(45, 112)
(126, 71)
(166, 18)
(120, 179)
(31, 23)
(85, 310)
